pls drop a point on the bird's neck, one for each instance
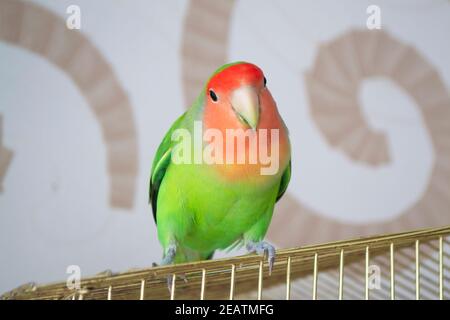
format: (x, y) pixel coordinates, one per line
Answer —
(256, 155)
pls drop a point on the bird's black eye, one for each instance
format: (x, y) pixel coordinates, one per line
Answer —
(265, 81)
(213, 95)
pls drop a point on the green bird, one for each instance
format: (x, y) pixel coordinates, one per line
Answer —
(219, 191)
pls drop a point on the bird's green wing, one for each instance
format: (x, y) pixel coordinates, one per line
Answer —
(285, 178)
(160, 164)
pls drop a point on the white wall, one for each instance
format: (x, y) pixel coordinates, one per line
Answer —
(54, 208)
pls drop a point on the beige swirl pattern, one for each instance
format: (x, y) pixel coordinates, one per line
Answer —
(36, 29)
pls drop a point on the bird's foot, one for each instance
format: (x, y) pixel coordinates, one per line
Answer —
(168, 259)
(263, 248)
(171, 278)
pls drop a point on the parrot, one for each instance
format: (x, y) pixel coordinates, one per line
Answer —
(202, 207)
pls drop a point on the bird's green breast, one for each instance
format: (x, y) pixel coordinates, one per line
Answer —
(211, 212)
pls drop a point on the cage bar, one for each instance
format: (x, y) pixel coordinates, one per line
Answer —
(288, 279)
(367, 274)
(141, 296)
(233, 273)
(391, 256)
(314, 295)
(202, 291)
(172, 287)
(441, 268)
(341, 274)
(417, 270)
(260, 280)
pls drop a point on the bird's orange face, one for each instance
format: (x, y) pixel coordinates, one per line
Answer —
(234, 96)
(238, 98)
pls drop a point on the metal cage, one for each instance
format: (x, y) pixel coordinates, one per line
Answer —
(409, 265)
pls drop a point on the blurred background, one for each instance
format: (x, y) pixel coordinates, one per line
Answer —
(82, 112)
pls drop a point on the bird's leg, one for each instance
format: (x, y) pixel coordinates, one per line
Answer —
(263, 248)
(168, 259)
(169, 255)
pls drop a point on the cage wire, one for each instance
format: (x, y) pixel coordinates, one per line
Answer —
(409, 265)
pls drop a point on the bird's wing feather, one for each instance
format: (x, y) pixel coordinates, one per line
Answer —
(161, 163)
(285, 178)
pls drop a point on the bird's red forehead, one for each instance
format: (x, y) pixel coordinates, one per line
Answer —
(236, 76)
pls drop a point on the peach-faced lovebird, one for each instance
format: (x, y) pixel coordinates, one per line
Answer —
(221, 168)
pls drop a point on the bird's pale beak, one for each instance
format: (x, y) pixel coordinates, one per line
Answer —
(245, 102)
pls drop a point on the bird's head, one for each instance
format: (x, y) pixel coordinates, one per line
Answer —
(236, 96)
(237, 100)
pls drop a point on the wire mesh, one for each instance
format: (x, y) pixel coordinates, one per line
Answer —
(409, 265)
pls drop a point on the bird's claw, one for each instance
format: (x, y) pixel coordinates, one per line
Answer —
(171, 278)
(263, 248)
